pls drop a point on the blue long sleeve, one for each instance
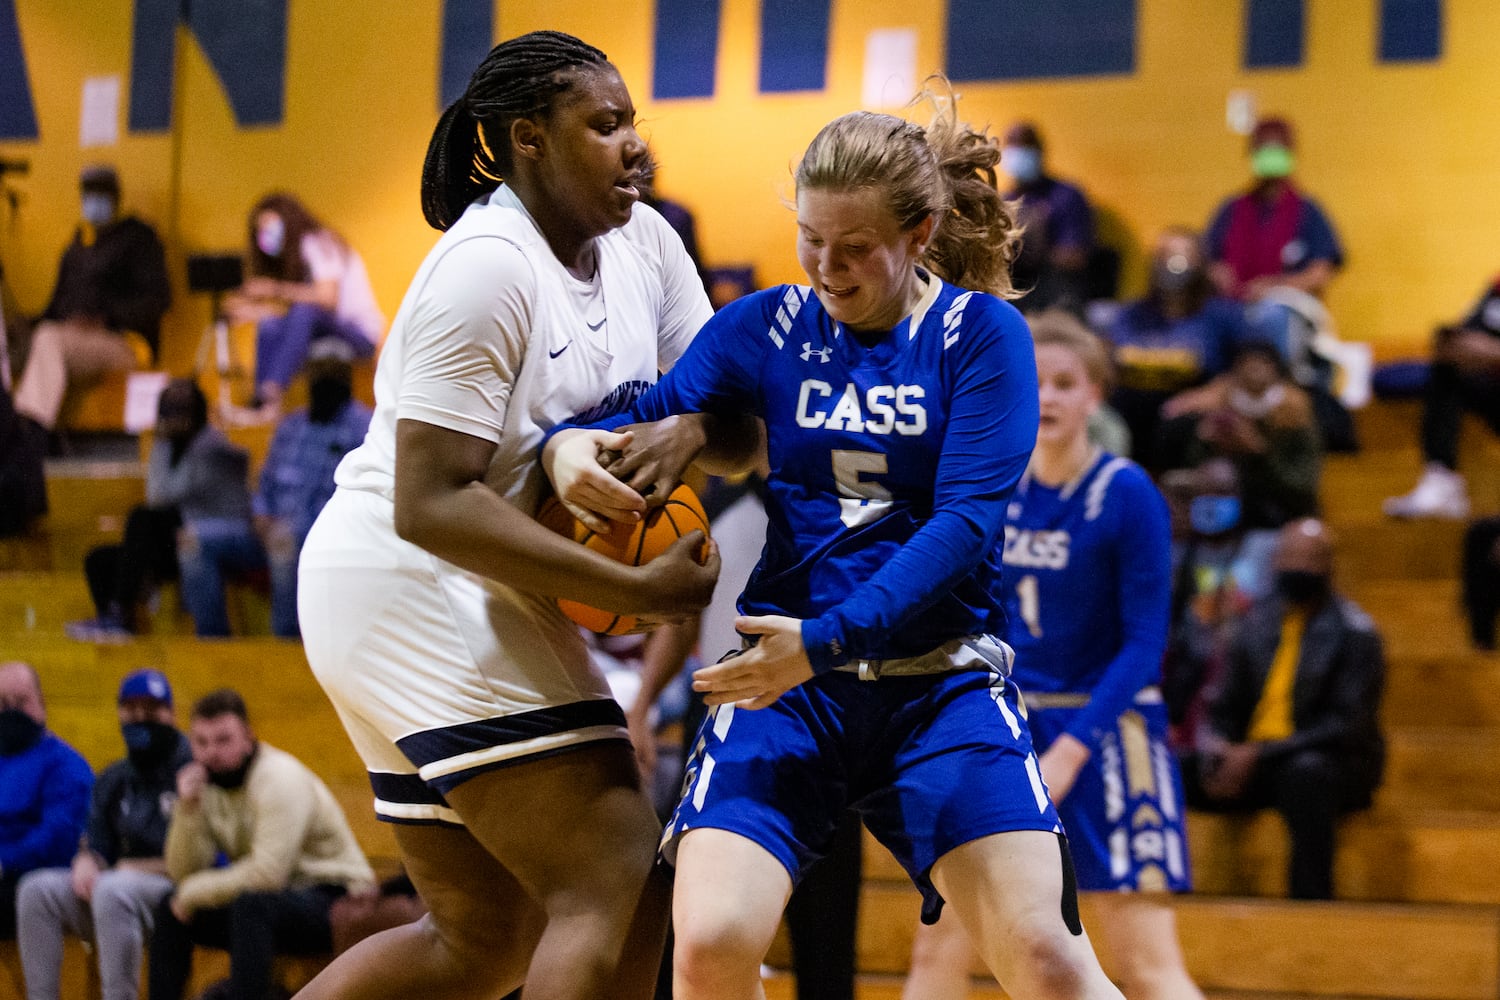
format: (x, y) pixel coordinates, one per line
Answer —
(1143, 555)
(44, 803)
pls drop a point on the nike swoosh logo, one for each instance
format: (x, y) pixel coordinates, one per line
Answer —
(599, 327)
(553, 354)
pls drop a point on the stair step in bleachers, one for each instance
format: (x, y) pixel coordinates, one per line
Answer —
(1270, 946)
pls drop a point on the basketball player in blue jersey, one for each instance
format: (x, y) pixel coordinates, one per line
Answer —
(899, 401)
(1087, 555)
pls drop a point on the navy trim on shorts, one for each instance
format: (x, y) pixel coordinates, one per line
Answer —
(447, 742)
(409, 789)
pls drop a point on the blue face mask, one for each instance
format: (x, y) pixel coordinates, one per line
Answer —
(98, 209)
(1214, 515)
(1024, 163)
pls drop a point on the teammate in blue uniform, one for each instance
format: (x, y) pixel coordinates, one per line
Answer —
(1087, 555)
(899, 405)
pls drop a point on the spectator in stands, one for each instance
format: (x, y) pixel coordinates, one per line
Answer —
(195, 525)
(678, 216)
(1258, 418)
(106, 308)
(1272, 235)
(23, 483)
(1296, 720)
(1465, 375)
(1481, 569)
(297, 478)
(1218, 570)
(1180, 335)
(1057, 227)
(289, 849)
(306, 284)
(44, 789)
(118, 877)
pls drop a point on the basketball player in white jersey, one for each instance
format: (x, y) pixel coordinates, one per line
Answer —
(427, 589)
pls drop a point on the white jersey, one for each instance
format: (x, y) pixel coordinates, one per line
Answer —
(496, 339)
(438, 672)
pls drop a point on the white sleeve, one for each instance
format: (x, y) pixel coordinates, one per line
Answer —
(465, 338)
(324, 256)
(685, 307)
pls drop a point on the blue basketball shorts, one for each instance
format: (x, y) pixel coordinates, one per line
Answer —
(1124, 815)
(931, 762)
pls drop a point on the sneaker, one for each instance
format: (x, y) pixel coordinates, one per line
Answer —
(1440, 493)
(104, 629)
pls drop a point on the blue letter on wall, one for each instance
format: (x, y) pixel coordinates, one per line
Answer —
(1025, 39)
(244, 40)
(793, 45)
(1411, 30)
(17, 115)
(1274, 32)
(468, 31)
(687, 48)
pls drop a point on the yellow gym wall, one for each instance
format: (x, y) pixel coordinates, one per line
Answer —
(1403, 157)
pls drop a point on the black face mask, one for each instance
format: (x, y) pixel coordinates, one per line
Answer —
(18, 732)
(1302, 587)
(149, 744)
(325, 397)
(230, 780)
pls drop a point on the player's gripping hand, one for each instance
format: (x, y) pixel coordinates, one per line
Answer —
(674, 586)
(653, 460)
(572, 460)
(764, 672)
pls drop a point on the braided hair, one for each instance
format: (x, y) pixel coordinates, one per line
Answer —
(469, 153)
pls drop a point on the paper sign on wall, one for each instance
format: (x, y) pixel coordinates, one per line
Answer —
(99, 122)
(890, 67)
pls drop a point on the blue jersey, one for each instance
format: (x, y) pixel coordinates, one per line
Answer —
(891, 461)
(1090, 578)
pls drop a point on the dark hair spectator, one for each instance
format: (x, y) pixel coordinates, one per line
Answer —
(306, 284)
(106, 307)
(1057, 226)
(1295, 724)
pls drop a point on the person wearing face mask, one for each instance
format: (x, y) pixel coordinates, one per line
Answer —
(194, 526)
(306, 284)
(1178, 336)
(289, 849)
(110, 893)
(1295, 722)
(44, 789)
(1272, 235)
(106, 307)
(297, 477)
(1057, 226)
(1258, 418)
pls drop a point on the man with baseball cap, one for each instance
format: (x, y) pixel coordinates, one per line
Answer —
(118, 877)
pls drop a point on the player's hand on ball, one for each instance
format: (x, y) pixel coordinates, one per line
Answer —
(764, 672)
(653, 460)
(572, 461)
(676, 584)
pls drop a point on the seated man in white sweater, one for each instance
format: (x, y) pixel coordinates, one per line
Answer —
(289, 849)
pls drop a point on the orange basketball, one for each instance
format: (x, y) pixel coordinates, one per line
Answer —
(641, 543)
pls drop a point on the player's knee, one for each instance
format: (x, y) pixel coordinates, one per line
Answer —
(1050, 961)
(713, 950)
(465, 961)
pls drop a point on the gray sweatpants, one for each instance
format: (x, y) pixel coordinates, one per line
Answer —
(117, 922)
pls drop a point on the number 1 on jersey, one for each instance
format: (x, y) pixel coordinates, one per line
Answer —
(1031, 605)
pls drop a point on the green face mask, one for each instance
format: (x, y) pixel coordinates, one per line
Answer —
(1271, 161)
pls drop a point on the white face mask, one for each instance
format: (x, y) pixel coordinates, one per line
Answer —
(98, 209)
(271, 236)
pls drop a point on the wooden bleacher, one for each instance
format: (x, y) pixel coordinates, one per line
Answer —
(1418, 875)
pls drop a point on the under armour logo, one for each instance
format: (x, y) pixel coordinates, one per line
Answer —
(808, 352)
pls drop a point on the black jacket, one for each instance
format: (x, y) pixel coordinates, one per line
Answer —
(121, 277)
(1336, 695)
(131, 809)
